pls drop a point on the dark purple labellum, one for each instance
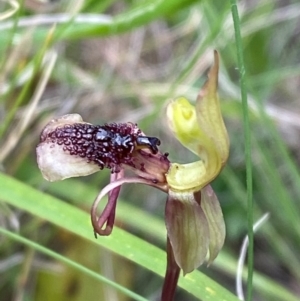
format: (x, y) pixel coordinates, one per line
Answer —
(108, 146)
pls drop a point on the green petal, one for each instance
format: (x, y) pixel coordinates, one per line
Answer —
(183, 122)
(201, 129)
(191, 177)
(209, 115)
(214, 216)
(187, 230)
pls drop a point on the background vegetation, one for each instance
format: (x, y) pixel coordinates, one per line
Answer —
(123, 61)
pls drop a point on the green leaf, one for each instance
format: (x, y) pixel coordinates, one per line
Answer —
(126, 245)
(71, 263)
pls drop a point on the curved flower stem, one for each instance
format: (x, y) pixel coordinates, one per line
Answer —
(172, 275)
(113, 189)
(113, 196)
(108, 214)
(108, 217)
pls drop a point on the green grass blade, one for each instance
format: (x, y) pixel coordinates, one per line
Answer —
(126, 245)
(70, 263)
(82, 193)
(247, 133)
(264, 285)
(36, 63)
(134, 17)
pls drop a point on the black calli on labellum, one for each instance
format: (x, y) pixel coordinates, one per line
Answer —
(108, 146)
(70, 147)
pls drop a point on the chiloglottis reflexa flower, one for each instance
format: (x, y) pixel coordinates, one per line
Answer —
(70, 147)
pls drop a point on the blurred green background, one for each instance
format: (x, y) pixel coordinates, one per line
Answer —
(119, 61)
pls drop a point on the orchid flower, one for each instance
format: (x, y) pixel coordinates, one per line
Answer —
(70, 147)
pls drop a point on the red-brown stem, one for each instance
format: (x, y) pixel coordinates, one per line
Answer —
(171, 277)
